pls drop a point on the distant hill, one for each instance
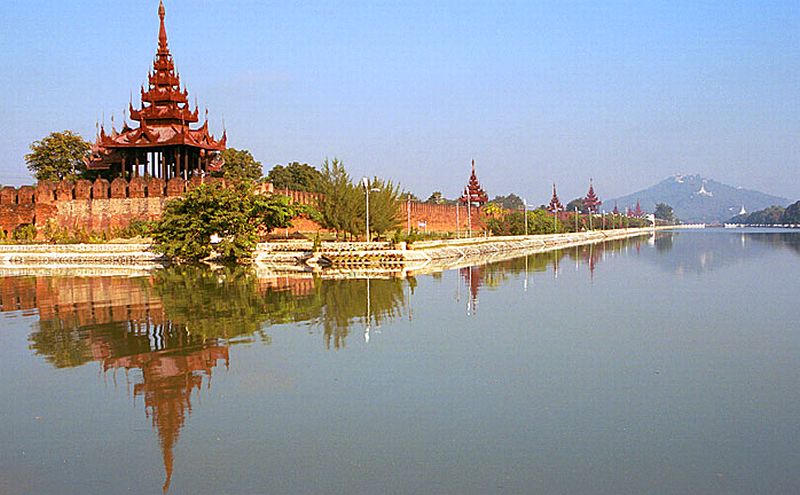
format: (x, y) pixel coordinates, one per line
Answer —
(697, 199)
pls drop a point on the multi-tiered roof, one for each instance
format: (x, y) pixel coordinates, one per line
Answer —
(637, 212)
(555, 204)
(591, 201)
(164, 126)
(474, 194)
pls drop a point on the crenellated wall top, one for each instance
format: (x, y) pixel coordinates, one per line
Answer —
(46, 192)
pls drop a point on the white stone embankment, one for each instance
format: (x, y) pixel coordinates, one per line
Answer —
(122, 258)
(422, 254)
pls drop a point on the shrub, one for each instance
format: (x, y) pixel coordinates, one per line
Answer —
(25, 233)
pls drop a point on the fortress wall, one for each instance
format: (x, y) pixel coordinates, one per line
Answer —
(103, 206)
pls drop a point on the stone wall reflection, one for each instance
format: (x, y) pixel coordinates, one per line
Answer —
(493, 275)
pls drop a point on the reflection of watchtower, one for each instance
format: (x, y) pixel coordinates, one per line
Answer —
(473, 276)
(119, 322)
(168, 379)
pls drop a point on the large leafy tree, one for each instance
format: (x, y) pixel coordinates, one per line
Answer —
(297, 177)
(510, 202)
(234, 214)
(791, 214)
(240, 165)
(577, 203)
(58, 156)
(664, 212)
(436, 198)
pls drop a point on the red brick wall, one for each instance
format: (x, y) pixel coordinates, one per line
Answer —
(102, 206)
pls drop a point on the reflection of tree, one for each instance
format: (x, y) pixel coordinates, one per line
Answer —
(62, 343)
(790, 240)
(225, 303)
(346, 300)
(664, 242)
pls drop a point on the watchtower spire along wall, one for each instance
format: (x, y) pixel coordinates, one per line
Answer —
(555, 204)
(474, 193)
(637, 212)
(164, 145)
(591, 201)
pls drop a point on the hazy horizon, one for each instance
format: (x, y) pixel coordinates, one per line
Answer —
(626, 93)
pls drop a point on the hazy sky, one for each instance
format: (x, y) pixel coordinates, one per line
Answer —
(625, 92)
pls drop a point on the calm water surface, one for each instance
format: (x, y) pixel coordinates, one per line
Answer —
(665, 365)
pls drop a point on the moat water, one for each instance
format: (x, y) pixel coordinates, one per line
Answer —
(665, 364)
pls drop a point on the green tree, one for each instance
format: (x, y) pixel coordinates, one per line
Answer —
(510, 202)
(296, 176)
(493, 209)
(791, 214)
(665, 212)
(436, 198)
(770, 215)
(341, 205)
(384, 205)
(239, 165)
(58, 156)
(513, 223)
(234, 214)
(576, 203)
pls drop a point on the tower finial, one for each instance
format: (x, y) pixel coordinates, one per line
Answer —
(162, 31)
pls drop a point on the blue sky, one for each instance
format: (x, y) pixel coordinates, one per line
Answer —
(625, 92)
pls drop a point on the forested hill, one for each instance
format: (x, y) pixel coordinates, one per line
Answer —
(698, 199)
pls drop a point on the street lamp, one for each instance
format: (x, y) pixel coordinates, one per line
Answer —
(555, 219)
(525, 213)
(365, 183)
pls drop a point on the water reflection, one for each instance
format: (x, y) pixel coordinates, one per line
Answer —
(494, 275)
(788, 240)
(169, 332)
(712, 249)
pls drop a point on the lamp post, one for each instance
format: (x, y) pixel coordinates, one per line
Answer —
(365, 183)
(408, 215)
(576, 219)
(469, 211)
(525, 213)
(555, 219)
(458, 224)
(604, 219)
